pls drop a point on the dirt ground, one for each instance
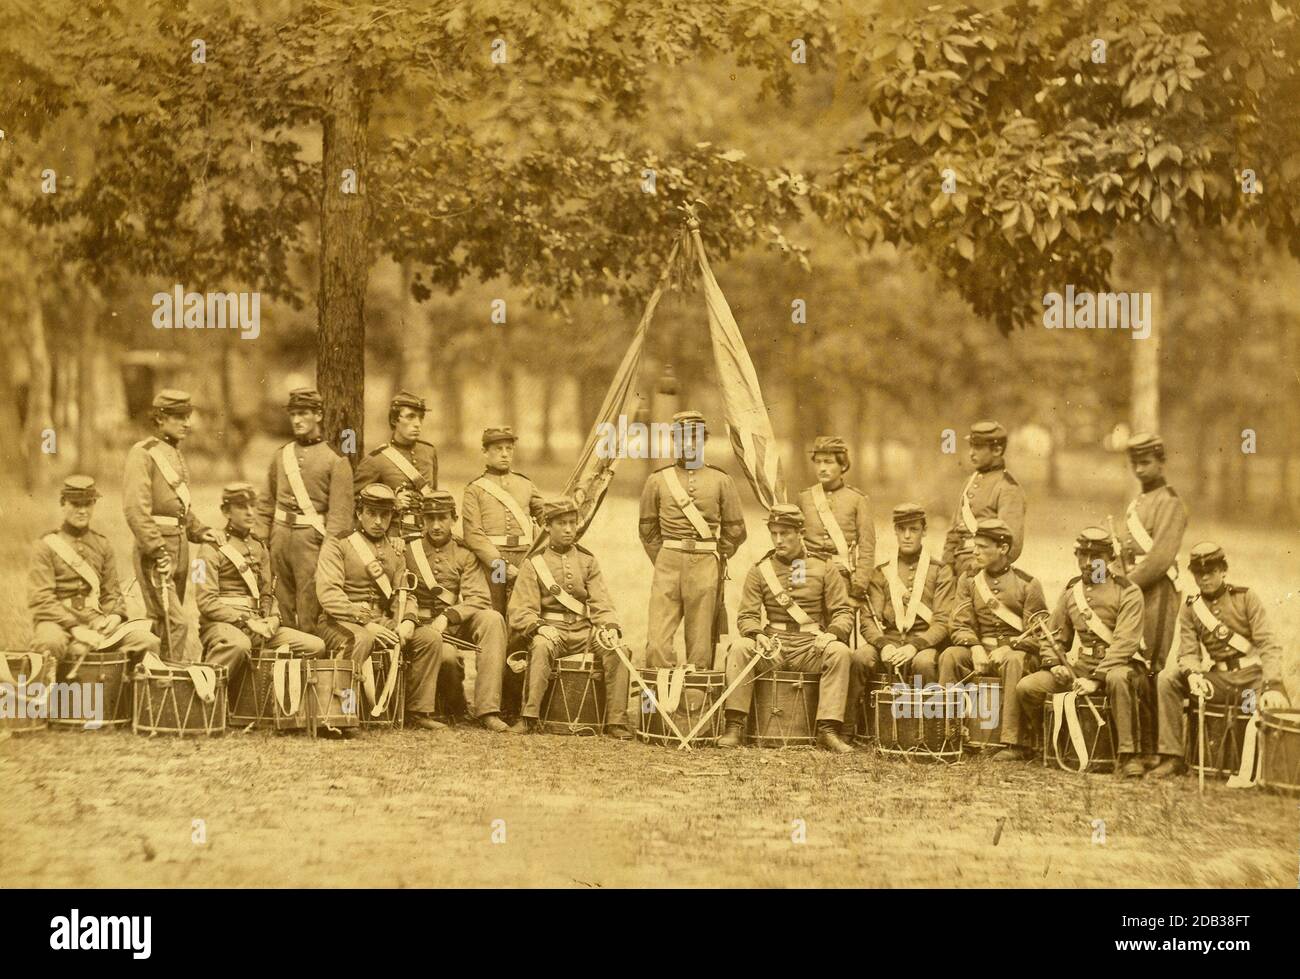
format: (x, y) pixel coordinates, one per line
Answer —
(421, 809)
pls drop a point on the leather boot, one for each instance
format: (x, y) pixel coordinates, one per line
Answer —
(1131, 767)
(493, 723)
(425, 721)
(1014, 752)
(734, 735)
(828, 738)
(525, 725)
(1169, 767)
(618, 732)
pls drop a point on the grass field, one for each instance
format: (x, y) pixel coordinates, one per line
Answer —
(418, 809)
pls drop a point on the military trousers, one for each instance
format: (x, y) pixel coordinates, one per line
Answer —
(52, 640)
(226, 644)
(485, 629)
(798, 654)
(146, 573)
(499, 589)
(1172, 689)
(866, 664)
(575, 640)
(956, 665)
(294, 553)
(1122, 688)
(684, 588)
(1160, 608)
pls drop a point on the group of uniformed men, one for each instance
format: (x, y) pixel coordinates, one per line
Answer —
(325, 560)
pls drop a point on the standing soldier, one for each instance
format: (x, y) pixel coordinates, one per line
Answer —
(500, 508)
(561, 606)
(308, 498)
(72, 589)
(990, 493)
(806, 607)
(909, 603)
(158, 508)
(1105, 612)
(1226, 647)
(691, 523)
(452, 598)
(1153, 532)
(837, 517)
(406, 464)
(236, 602)
(992, 606)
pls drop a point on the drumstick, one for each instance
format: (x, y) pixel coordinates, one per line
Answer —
(636, 675)
(759, 654)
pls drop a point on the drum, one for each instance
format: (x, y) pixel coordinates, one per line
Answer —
(394, 713)
(20, 712)
(863, 730)
(253, 702)
(1279, 759)
(332, 695)
(784, 712)
(574, 702)
(1099, 739)
(700, 690)
(73, 705)
(981, 714)
(167, 702)
(918, 723)
(1225, 733)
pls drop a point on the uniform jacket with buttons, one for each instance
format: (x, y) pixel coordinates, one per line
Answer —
(973, 619)
(937, 594)
(851, 509)
(1240, 610)
(456, 569)
(576, 571)
(811, 584)
(484, 516)
(1118, 604)
(222, 579)
(147, 494)
(993, 494)
(327, 477)
(343, 581)
(715, 496)
(1162, 513)
(51, 579)
(376, 467)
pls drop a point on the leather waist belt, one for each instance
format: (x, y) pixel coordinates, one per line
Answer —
(1238, 662)
(77, 602)
(511, 540)
(569, 617)
(293, 519)
(691, 545)
(238, 601)
(166, 521)
(811, 627)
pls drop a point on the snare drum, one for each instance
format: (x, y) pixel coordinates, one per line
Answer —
(1225, 733)
(1279, 746)
(254, 702)
(20, 712)
(394, 713)
(332, 696)
(574, 702)
(918, 723)
(698, 692)
(1099, 739)
(784, 712)
(111, 669)
(979, 705)
(167, 702)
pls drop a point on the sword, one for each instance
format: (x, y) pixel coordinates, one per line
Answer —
(163, 585)
(607, 643)
(758, 655)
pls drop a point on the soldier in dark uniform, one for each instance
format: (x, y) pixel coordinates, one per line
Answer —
(990, 493)
(73, 591)
(806, 605)
(691, 523)
(452, 598)
(308, 498)
(1104, 611)
(157, 505)
(560, 605)
(406, 464)
(237, 609)
(991, 610)
(1226, 647)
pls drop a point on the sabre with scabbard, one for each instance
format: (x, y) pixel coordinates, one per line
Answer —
(1038, 623)
(760, 653)
(604, 637)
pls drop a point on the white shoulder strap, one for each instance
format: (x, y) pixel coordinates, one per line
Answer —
(170, 474)
(822, 503)
(553, 588)
(994, 603)
(404, 464)
(426, 572)
(373, 567)
(905, 618)
(74, 560)
(687, 505)
(294, 475)
(507, 500)
(1097, 627)
(967, 514)
(1212, 624)
(242, 566)
(1143, 539)
(783, 598)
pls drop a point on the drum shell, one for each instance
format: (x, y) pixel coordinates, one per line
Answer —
(1225, 733)
(903, 729)
(111, 667)
(1279, 746)
(975, 735)
(20, 666)
(700, 691)
(167, 703)
(252, 699)
(332, 696)
(574, 702)
(784, 711)
(1100, 741)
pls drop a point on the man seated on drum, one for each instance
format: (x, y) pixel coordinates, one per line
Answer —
(1105, 612)
(808, 622)
(561, 607)
(909, 601)
(989, 616)
(1227, 653)
(453, 599)
(73, 591)
(360, 583)
(235, 594)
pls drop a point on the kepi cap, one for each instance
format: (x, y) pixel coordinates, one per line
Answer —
(405, 399)
(561, 507)
(173, 401)
(377, 496)
(986, 432)
(439, 501)
(834, 444)
(908, 513)
(689, 417)
(1093, 540)
(994, 530)
(238, 493)
(503, 433)
(1145, 443)
(1205, 554)
(308, 398)
(785, 515)
(78, 489)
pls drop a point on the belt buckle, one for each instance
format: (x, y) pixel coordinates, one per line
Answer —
(78, 602)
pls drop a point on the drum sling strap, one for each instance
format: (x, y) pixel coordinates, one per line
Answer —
(1212, 625)
(172, 477)
(766, 569)
(668, 683)
(286, 681)
(75, 561)
(502, 496)
(1248, 770)
(243, 568)
(967, 514)
(1065, 706)
(203, 677)
(986, 595)
(1097, 627)
(299, 488)
(822, 504)
(687, 505)
(1143, 539)
(552, 587)
(390, 453)
(426, 573)
(905, 618)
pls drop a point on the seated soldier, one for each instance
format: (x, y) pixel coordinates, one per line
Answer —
(357, 583)
(561, 606)
(989, 613)
(73, 591)
(909, 601)
(452, 599)
(1105, 612)
(1225, 648)
(806, 605)
(236, 599)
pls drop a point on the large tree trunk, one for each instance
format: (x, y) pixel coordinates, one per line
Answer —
(344, 266)
(40, 464)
